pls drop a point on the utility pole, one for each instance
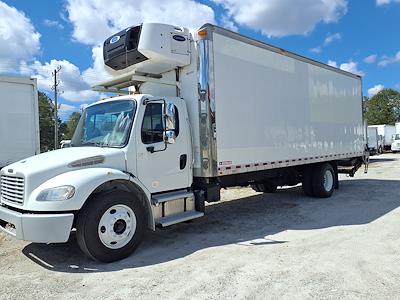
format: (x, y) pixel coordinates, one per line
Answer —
(55, 73)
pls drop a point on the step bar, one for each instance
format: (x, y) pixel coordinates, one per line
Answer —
(171, 196)
(178, 218)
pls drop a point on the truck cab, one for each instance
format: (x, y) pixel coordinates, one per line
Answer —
(134, 146)
(396, 143)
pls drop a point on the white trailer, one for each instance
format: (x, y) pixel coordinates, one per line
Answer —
(19, 119)
(373, 140)
(203, 111)
(396, 139)
(386, 132)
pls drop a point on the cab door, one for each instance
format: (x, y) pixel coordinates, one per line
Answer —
(163, 166)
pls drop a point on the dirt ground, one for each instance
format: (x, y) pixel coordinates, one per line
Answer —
(249, 245)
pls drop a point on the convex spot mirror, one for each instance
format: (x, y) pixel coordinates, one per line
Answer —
(170, 123)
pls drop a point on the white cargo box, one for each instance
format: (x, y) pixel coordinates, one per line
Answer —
(274, 108)
(19, 119)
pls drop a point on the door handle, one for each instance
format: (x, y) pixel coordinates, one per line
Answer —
(182, 161)
(150, 149)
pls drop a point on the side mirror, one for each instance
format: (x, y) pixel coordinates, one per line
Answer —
(170, 116)
(169, 136)
(170, 123)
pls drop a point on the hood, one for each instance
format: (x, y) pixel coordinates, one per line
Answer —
(40, 168)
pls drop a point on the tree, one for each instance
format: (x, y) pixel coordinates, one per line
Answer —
(46, 123)
(71, 125)
(383, 108)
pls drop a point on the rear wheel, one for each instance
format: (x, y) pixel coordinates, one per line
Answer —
(323, 180)
(111, 226)
(266, 187)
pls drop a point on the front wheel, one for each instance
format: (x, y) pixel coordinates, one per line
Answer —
(110, 226)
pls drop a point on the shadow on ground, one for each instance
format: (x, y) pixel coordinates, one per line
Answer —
(247, 221)
(380, 160)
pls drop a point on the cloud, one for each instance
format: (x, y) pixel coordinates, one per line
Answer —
(316, 49)
(332, 63)
(370, 59)
(387, 60)
(53, 24)
(283, 17)
(65, 111)
(20, 43)
(228, 23)
(97, 72)
(331, 38)
(384, 2)
(93, 20)
(72, 84)
(350, 66)
(18, 38)
(375, 90)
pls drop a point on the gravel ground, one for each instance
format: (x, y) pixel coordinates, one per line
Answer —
(249, 245)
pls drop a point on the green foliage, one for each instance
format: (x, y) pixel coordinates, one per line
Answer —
(71, 125)
(46, 123)
(383, 108)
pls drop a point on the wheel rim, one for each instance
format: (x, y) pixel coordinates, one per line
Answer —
(117, 226)
(328, 180)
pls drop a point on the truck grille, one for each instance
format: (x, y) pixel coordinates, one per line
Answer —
(12, 189)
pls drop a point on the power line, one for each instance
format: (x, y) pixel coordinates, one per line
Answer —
(55, 89)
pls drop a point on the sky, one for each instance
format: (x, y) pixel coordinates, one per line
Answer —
(359, 36)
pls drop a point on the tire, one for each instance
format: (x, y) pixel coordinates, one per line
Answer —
(266, 187)
(323, 180)
(105, 237)
(307, 181)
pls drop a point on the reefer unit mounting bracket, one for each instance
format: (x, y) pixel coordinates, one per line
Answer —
(118, 84)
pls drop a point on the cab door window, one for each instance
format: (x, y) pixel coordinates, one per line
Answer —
(153, 124)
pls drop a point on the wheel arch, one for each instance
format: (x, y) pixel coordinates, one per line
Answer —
(131, 187)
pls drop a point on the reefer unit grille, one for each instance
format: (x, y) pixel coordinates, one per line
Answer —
(12, 189)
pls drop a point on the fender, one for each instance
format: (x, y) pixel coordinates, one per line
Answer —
(85, 181)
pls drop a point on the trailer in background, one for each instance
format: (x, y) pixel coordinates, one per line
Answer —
(396, 139)
(386, 132)
(19, 119)
(373, 140)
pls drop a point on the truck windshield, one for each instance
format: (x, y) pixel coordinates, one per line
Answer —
(105, 125)
(397, 137)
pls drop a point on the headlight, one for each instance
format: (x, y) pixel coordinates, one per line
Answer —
(57, 194)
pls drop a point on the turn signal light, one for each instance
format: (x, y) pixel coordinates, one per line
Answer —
(202, 33)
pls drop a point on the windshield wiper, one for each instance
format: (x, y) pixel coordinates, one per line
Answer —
(97, 144)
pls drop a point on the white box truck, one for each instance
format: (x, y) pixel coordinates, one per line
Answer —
(386, 133)
(396, 139)
(373, 140)
(19, 119)
(203, 111)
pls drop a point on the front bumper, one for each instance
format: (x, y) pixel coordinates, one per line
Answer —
(38, 228)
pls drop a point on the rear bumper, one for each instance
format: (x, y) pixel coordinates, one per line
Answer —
(38, 228)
